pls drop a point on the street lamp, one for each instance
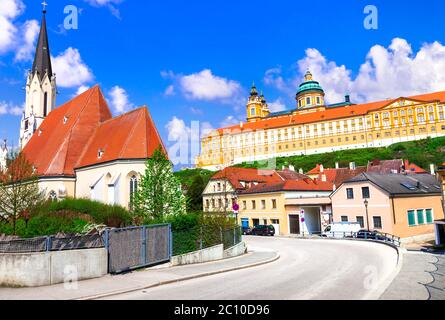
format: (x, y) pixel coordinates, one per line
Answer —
(366, 202)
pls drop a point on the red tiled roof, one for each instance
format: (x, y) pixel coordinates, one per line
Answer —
(71, 135)
(236, 175)
(327, 114)
(58, 148)
(291, 175)
(130, 136)
(290, 185)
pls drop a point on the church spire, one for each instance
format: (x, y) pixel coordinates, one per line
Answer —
(42, 59)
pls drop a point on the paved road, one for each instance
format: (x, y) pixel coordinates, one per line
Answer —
(307, 269)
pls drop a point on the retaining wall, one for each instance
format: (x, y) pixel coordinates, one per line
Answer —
(47, 268)
(210, 254)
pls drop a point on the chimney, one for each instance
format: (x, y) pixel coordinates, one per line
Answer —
(323, 178)
(433, 169)
(347, 98)
(291, 168)
(352, 166)
(301, 171)
(321, 168)
(337, 165)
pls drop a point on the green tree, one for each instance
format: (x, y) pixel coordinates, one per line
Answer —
(159, 193)
(194, 194)
(19, 190)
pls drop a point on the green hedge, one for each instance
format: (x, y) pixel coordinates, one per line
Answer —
(68, 216)
(196, 228)
(111, 215)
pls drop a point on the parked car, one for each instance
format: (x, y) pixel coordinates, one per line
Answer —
(341, 230)
(372, 235)
(263, 230)
(247, 231)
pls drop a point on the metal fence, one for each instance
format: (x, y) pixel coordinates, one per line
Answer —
(202, 237)
(136, 247)
(366, 235)
(46, 244)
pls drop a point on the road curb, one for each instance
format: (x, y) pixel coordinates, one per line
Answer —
(386, 284)
(195, 276)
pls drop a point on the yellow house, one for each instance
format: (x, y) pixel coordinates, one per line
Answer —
(402, 205)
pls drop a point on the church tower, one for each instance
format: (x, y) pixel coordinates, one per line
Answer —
(257, 107)
(40, 88)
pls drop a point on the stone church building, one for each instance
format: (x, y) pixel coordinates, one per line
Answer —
(79, 149)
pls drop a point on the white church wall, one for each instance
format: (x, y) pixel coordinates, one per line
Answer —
(114, 187)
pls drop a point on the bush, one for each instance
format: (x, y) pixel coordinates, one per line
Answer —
(46, 224)
(113, 216)
(192, 230)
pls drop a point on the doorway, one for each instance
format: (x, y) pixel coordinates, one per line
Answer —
(294, 224)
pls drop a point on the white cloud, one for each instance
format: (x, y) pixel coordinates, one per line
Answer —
(70, 70)
(177, 129)
(277, 106)
(386, 73)
(81, 90)
(206, 86)
(196, 111)
(170, 91)
(13, 37)
(11, 109)
(26, 49)
(120, 100)
(230, 121)
(110, 4)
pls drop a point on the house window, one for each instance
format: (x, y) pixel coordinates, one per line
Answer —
(252, 111)
(411, 218)
(274, 203)
(207, 203)
(256, 222)
(265, 222)
(219, 203)
(350, 193)
(263, 204)
(318, 100)
(244, 205)
(420, 217)
(308, 101)
(52, 196)
(275, 221)
(365, 193)
(429, 216)
(344, 219)
(377, 222)
(253, 204)
(361, 220)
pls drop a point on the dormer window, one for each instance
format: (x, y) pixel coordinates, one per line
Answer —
(65, 119)
(40, 133)
(100, 153)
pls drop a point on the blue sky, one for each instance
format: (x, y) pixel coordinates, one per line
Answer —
(195, 60)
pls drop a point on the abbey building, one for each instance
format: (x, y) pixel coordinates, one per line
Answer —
(314, 127)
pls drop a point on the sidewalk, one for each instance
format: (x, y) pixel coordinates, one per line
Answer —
(421, 277)
(138, 280)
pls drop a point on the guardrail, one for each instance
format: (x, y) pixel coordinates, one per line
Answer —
(364, 235)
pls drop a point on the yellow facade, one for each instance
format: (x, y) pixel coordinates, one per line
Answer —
(266, 208)
(321, 129)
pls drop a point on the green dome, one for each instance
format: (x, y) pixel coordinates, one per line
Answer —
(309, 86)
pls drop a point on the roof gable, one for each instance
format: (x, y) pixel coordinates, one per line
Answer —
(56, 146)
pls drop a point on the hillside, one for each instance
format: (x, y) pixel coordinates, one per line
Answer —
(421, 152)
(187, 176)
